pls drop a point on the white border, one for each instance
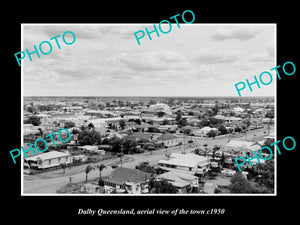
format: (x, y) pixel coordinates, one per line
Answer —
(145, 195)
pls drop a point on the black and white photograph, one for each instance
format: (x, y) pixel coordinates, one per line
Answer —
(149, 112)
(162, 117)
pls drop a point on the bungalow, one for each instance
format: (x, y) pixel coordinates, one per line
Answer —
(204, 131)
(49, 159)
(91, 188)
(92, 149)
(182, 181)
(242, 147)
(29, 129)
(132, 181)
(169, 140)
(140, 136)
(131, 125)
(187, 163)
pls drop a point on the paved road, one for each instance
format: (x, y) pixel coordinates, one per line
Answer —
(48, 183)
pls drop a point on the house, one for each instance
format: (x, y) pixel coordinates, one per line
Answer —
(145, 127)
(160, 107)
(44, 118)
(204, 131)
(130, 125)
(140, 136)
(128, 180)
(92, 149)
(49, 159)
(80, 158)
(187, 163)
(209, 188)
(167, 128)
(241, 148)
(91, 188)
(182, 181)
(29, 129)
(169, 140)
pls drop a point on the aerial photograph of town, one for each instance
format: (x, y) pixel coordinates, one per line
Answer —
(160, 118)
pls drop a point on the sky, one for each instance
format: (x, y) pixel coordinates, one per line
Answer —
(106, 60)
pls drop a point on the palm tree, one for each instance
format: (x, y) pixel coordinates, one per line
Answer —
(88, 169)
(100, 168)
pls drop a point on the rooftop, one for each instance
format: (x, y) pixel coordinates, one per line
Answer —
(121, 175)
(49, 155)
(166, 136)
(185, 160)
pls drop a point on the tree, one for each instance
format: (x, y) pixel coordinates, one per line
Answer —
(178, 116)
(215, 122)
(122, 124)
(160, 114)
(31, 109)
(215, 110)
(129, 145)
(212, 134)
(87, 170)
(263, 174)
(223, 129)
(161, 186)
(182, 122)
(34, 120)
(165, 122)
(145, 166)
(239, 184)
(87, 137)
(100, 168)
(269, 115)
(237, 129)
(69, 124)
(91, 125)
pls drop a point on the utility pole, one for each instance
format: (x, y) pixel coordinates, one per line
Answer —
(121, 155)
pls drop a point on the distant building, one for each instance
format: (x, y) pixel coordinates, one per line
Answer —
(161, 107)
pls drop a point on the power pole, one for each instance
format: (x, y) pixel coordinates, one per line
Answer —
(121, 155)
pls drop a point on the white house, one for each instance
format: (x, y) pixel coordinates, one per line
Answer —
(187, 163)
(204, 131)
(92, 149)
(168, 140)
(127, 180)
(180, 180)
(161, 107)
(49, 159)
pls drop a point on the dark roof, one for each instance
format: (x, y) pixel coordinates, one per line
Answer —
(166, 136)
(139, 135)
(121, 175)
